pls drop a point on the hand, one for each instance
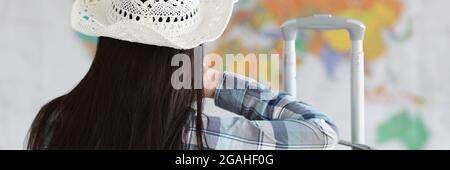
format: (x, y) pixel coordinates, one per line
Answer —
(211, 78)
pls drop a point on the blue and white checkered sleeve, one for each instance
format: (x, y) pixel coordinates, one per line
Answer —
(271, 120)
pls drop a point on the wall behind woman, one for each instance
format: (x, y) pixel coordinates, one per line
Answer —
(407, 49)
(40, 58)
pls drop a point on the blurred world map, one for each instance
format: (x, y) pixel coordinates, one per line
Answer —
(406, 46)
(322, 57)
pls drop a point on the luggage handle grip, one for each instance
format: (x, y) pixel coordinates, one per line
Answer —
(323, 22)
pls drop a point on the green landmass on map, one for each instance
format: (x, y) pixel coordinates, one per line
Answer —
(411, 131)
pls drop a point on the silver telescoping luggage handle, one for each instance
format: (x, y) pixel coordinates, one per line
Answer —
(356, 30)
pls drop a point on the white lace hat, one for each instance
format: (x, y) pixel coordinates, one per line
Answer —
(180, 24)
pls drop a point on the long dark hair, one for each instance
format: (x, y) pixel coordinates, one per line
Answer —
(125, 101)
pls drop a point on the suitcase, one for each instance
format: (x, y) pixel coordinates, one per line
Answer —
(356, 31)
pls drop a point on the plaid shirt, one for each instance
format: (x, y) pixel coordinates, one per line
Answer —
(267, 120)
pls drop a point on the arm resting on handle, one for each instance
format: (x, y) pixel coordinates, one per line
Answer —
(268, 120)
